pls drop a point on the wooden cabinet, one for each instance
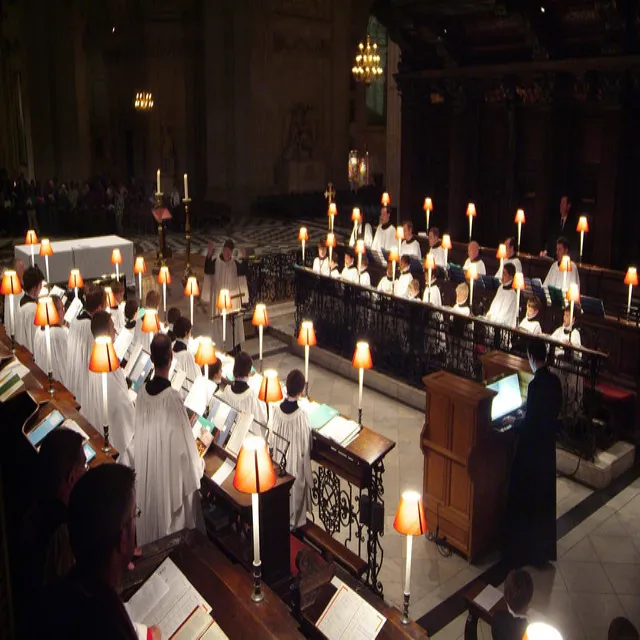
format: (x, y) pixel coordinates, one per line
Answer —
(466, 463)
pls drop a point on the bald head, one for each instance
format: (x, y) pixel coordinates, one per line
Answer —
(473, 250)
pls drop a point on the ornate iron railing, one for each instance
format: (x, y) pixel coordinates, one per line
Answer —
(270, 277)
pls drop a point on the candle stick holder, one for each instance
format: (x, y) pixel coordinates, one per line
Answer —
(187, 236)
(158, 216)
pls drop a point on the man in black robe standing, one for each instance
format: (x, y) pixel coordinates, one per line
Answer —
(531, 504)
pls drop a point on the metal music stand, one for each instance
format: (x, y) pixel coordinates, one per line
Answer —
(592, 306)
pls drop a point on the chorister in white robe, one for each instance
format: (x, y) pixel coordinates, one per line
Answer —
(364, 278)
(80, 345)
(59, 348)
(531, 326)
(385, 285)
(385, 238)
(321, 266)
(439, 256)
(462, 309)
(168, 467)
(25, 329)
(514, 261)
(121, 415)
(402, 283)
(358, 233)
(117, 315)
(185, 360)
(295, 428)
(555, 277)
(572, 384)
(90, 398)
(142, 338)
(432, 295)
(503, 307)
(481, 269)
(335, 273)
(411, 248)
(350, 274)
(7, 311)
(247, 401)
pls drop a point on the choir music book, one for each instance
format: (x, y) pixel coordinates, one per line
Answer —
(74, 309)
(199, 395)
(137, 348)
(203, 432)
(239, 432)
(321, 416)
(10, 386)
(51, 422)
(122, 343)
(341, 430)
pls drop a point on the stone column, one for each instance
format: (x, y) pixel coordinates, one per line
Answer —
(394, 123)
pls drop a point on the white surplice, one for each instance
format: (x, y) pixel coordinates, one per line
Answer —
(364, 278)
(385, 285)
(555, 277)
(385, 238)
(121, 412)
(514, 261)
(531, 326)
(25, 329)
(142, 338)
(248, 402)
(168, 467)
(335, 273)
(481, 269)
(295, 428)
(402, 283)
(80, 345)
(91, 398)
(439, 256)
(117, 315)
(186, 362)
(7, 311)
(350, 274)
(225, 277)
(572, 384)
(59, 348)
(357, 233)
(411, 248)
(503, 306)
(321, 266)
(432, 295)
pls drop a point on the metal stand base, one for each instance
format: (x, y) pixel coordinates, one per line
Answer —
(51, 391)
(13, 343)
(360, 417)
(107, 445)
(405, 610)
(257, 595)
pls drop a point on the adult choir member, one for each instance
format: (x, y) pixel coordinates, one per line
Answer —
(118, 312)
(530, 527)
(503, 307)
(363, 274)
(291, 422)
(431, 291)
(129, 328)
(25, 329)
(435, 247)
(361, 231)
(530, 322)
(167, 463)
(59, 335)
(410, 245)
(555, 277)
(564, 227)
(19, 269)
(350, 271)
(385, 237)
(386, 282)
(405, 277)
(181, 352)
(510, 245)
(173, 314)
(321, 261)
(473, 253)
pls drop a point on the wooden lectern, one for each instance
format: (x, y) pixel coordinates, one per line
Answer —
(466, 464)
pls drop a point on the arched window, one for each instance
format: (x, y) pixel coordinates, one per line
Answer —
(376, 93)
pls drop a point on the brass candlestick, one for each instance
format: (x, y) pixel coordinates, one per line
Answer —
(157, 206)
(187, 234)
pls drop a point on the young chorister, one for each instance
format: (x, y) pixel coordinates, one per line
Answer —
(431, 293)
(530, 322)
(350, 271)
(413, 290)
(462, 299)
(321, 262)
(364, 277)
(386, 282)
(405, 277)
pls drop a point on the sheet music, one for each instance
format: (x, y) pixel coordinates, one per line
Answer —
(74, 426)
(239, 433)
(132, 360)
(223, 472)
(488, 597)
(57, 291)
(74, 309)
(178, 379)
(340, 429)
(195, 626)
(122, 343)
(214, 632)
(198, 397)
(147, 597)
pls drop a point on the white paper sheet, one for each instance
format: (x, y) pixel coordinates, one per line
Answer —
(178, 379)
(122, 343)
(198, 398)
(340, 429)
(74, 309)
(488, 597)
(132, 360)
(223, 472)
(74, 426)
(214, 632)
(240, 430)
(147, 597)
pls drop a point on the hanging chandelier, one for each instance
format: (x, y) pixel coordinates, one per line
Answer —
(143, 101)
(367, 67)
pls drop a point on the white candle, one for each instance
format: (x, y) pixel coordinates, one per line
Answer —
(407, 573)
(139, 286)
(519, 233)
(256, 529)
(571, 315)
(303, 252)
(76, 291)
(518, 305)
(206, 371)
(564, 281)
(470, 226)
(581, 244)
(446, 258)
(359, 266)
(260, 329)
(191, 308)
(224, 326)
(47, 335)
(105, 411)
(33, 258)
(470, 293)
(393, 271)
(13, 315)
(164, 297)
(429, 285)
(360, 386)
(306, 363)
(501, 265)
(628, 300)
(117, 271)
(428, 212)
(330, 255)
(331, 223)
(186, 187)
(46, 262)
(158, 182)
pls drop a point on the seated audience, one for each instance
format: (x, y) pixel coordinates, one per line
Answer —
(518, 591)
(473, 251)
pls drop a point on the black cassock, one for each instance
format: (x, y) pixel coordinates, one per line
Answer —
(530, 531)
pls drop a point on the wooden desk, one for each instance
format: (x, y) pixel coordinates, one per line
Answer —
(226, 587)
(478, 613)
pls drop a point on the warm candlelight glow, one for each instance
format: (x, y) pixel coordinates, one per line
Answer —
(502, 251)
(362, 356)
(116, 257)
(446, 241)
(206, 353)
(565, 264)
(386, 199)
(307, 334)
(583, 224)
(360, 247)
(472, 271)
(45, 247)
(333, 209)
(31, 237)
(224, 300)
(356, 216)
(410, 519)
(429, 262)
(10, 284)
(164, 277)
(270, 388)
(471, 210)
(139, 267)
(428, 205)
(150, 321)
(331, 240)
(631, 278)
(46, 313)
(303, 234)
(260, 315)
(399, 233)
(103, 356)
(75, 279)
(394, 255)
(192, 287)
(520, 217)
(254, 470)
(111, 299)
(518, 281)
(573, 293)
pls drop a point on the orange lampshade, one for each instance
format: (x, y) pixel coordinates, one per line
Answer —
(471, 210)
(333, 209)
(103, 356)
(565, 264)
(260, 315)
(45, 247)
(150, 321)
(362, 356)
(303, 234)
(520, 217)
(501, 254)
(583, 224)
(394, 256)
(224, 300)
(164, 277)
(518, 281)
(428, 205)
(31, 237)
(206, 353)
(307, 334)
(139, 266)
(429, 262)
(192, 288)
(270, 389)
(46, 313)
(254, 469)
(399, 233)
(111, 299)
(75, 279)
(446, 241)
(573, 293)
(472, 271)
(386, 199)
(331, 240)
(10, 284)
(410, 519)
(360, 247)
(356, 216)
(116, 257)
(632, 276)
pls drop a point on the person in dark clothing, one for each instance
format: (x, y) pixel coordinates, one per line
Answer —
(564, 226)
(518, 591)
(530, 528)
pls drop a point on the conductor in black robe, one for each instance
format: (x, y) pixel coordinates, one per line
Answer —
(530, 527)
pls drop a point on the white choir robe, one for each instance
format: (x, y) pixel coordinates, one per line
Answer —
(321, 266)
(7, 311)
(411, 248)
(186, 362)
(167, 465)
(356, 234)
(25, 329)
(142, 338)
(335, 273)
(572, 384)
(514, 261)
(531, 326)
(59, 348)
(434, 292)
(121, 416)
(350, 274)
(385, 238)
(555, 277)
(480, 266)
(503, 307)
(117, 315)
(385, 285)
(91, 398)
(80, 346)
(364, 279)
(248, 402)
(439, 256)
(402, 283)
(295, 428)
(462, 309)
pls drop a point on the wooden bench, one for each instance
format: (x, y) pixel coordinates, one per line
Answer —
(328, 546)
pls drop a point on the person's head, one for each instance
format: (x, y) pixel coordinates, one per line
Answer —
(518, 590)
(161, 354)
(533, 308)
(61, 463)
(473, 250)
(152, 300)
(508, 273)
(102, 325)
(407, 227)
(414, 288)
(102, 519)
(567, 321)
(384, 215)
(434, 236)
(364, 261)
(227, 249)
(322, 251)
(32, 281)
(622, 629)
(57, 303)
(95, 300)
(18, 265)
(242, 365)
(118, 291)
(130, 309)
(215, 371)
(562, 248)
(565, 206)
(348, 259)
(172, 315)
(462, 292)
(537, 353)
(510, 244)
(405, 262)
(295, 383)
(182, 328)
